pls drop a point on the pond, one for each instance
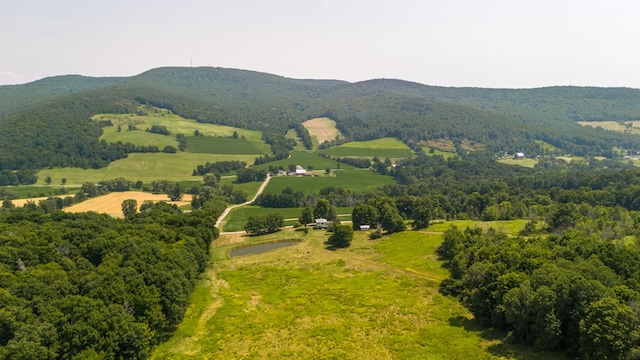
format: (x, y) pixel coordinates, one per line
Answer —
(260, 248)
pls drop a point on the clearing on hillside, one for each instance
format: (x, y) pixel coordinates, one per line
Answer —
(112, 203)
(175, 124)
(630, 127)
(382, 148)
(146, 167)
(323, 129)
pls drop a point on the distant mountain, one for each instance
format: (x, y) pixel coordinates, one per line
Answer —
(46, 123)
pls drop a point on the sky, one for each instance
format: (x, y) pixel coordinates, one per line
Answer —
(477, 43)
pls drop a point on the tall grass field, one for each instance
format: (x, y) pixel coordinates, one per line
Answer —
(374, 300)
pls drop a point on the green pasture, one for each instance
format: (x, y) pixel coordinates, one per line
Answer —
(223, 145)
(374, 300)
(138, 137)
(382, 148)
(251, 188)
(444, 154)
(512, 227)
(382, 143)
(146, 167)
(292, 134)
(355, 180)
(304, 159)
(174, 123)
(526, 162)
(546, 146)
(237, 218)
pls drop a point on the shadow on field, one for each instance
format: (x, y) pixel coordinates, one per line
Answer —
(505, 348)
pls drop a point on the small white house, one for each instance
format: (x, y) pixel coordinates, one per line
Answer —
(321, 223)
(518, 156)
(300, 170)
(365, 227)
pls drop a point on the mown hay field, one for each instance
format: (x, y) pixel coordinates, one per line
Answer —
(112, 203)
(321, 130)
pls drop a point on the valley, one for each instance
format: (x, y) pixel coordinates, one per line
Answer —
(440, 241)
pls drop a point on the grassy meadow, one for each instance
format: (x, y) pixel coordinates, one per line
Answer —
(174, 123)
(526, 162)
(382, 148)
(444, 154)
(375, 300)
(304, 159)
(146, 167)
(356, 180)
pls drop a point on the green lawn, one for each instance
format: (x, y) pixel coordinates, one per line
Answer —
(356, 180)
(237, 218)
(145, 167)
(223, 145)
(375, 300)
(304, 159)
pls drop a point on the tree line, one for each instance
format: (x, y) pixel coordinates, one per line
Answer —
(90, 286)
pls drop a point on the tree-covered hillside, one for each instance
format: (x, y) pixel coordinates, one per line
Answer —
(46, 123)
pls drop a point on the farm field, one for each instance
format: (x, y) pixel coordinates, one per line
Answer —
(145, 167)
(321, 130)
(527, 162)
(174, 123)
(224, 145)
(112, 203)
(382, 148)
(304, 159)
(31, 191)
(444, 154)
(633, 126)
(512, 227)
(375, 300)
(237, 218)
(355, 180)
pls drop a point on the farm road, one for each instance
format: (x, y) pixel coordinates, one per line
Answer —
(227, 210)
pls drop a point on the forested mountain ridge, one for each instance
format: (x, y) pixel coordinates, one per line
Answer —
(33, 115)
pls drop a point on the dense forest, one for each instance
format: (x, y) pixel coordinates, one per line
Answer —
(87, 286)
(46, 123)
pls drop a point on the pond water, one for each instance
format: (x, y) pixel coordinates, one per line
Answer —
(260, 248)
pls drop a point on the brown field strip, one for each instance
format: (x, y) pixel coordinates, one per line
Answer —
(112, 203)
(324, 129)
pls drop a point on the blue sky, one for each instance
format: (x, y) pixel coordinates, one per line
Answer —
(480, 43)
